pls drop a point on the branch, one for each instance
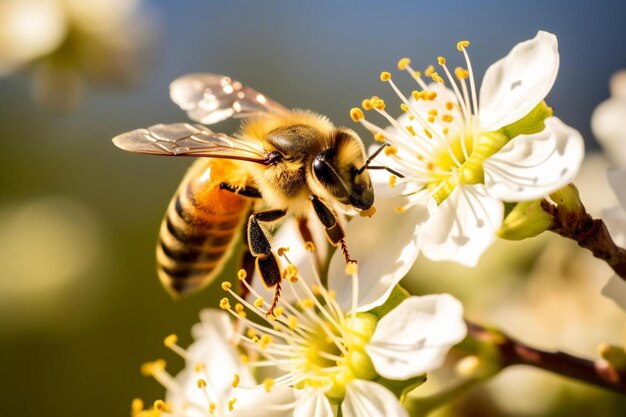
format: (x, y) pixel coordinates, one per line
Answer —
(513, 352)
(571, 220)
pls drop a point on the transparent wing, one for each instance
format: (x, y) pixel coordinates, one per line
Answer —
(184, 139)
(210, 98)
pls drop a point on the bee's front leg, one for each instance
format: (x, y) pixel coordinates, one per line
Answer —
(260, 247)
(334, 232)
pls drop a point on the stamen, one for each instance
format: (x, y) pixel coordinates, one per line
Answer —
(231, 404)
(356, 114)
(171, 343)
(403, 63)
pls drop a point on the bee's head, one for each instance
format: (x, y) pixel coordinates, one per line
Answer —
(337, 170)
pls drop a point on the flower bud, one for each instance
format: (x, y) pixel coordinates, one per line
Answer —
(527, 219)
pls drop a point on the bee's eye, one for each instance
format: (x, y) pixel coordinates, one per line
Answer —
(323, 171)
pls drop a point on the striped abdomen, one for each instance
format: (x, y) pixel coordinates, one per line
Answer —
(201, 226)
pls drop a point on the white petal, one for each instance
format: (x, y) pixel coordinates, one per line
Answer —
(288, 236)
(617, 179)
(415, 337)
(608, 124)
(615, 219)
(615, 289)
(369, 399)
(530, 167)
(313, 404)
(279, 402)
(384, 246)
(462, 227)
(514, 85)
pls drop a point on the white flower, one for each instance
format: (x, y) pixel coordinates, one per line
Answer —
(207, 386)
(328, 354)
(615, 219)
(461, 160)
(608, 121)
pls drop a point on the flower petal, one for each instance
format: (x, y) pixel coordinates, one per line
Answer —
(514, 85)
(279, 402)
(530, 167)
(617, 179)
(615, 289)
(462, 227)
(313, 404)
(369, 399)
(415, 337)
(385, 248)
(608, 124)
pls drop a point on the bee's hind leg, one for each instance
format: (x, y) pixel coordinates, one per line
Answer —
(334, 232)
(266, 262)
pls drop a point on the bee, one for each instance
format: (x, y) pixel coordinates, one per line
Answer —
(288, 160)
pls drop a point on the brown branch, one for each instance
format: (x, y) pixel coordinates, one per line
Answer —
(571, 220)
(513, 352)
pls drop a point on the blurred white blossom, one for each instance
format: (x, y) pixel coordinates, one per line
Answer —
(608, 121)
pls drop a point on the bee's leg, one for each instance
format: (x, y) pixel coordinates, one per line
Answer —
(246, 191)
(334, 231)
(260, 247)
(246, 262)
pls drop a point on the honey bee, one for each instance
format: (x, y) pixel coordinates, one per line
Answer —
(287, 160)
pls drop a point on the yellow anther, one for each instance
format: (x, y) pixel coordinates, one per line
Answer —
(437, 78)
(199, 367)
(251, 333)
(411, 117)
(392, 150)
(449, 105)
(239, 307)
(259, 302)
(379, 137)
(445, 130)
(429, 71)
(306, 303)
(430, 166)
(255, 339)
(309, 246)
(356, 114)
(332, 294)
(447, 118)
(226, 285)
(231, 404)
(420, 157)
(242, 274)
(392, 181)
(374, 98)
(236, 380)
(404, 107)
(201, 383)
(368, 213)
(292, 322)
(462, 44)
(281, 251)
(291, 271)
(399, 209)
(244, 358)
(461, 73)
(265, 340)
(432, 112)
(316, 289)
(403, 63)
(416, 94)
(151, 368)
(268, 383)
(351, 268)
(170, 340)
(367, 104)
(431, 119)
(159, 405)
(278, 311)
(427, 133)
(385, 76)
(417, 74)
(431, 95)
(212, 407)
(136, 406)
(379, 104)
(224, 304)
(441, 60)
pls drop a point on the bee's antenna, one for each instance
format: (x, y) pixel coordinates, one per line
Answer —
(371, 158)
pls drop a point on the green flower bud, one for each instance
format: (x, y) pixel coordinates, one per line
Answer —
(527, 219)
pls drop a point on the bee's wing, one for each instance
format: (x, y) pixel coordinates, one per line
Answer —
(184, 139)
(210, 98)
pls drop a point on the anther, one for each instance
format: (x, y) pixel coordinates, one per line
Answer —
(411, 131)
(291, 271)
(379, 104)
(431, 119)
(159, 405)
(404, 107)
(136, 406)
(201, 383)
(399, 209)
(461, 45)
(429, 71)
(428, 133)
(437, 78)
(231, 404)
(385, 76)
(242, 274)
(278, 311)
(281, 251)
(368, 213)
(431, 95)
(199, 367)
(226, 285)
(392, 181)
(379, 137)
(392, 150)
(224, 304)
(258, 303)
(236, 380)
(292, 322)
(150, 368)
(212, 407)
(367, 104)
(441, 60)
(461, 73)
(306, 303)
(447, 118)
(265, 340)
(416, 94)
(309, 246)
(449, 105)
(445, 131)
(403, 63)
(432, 112)
(268, 383)
(170, 340)
(356, 114)
(251, 333)
(238, 307)
(352, 268)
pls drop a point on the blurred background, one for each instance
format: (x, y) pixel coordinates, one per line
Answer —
(80, 304)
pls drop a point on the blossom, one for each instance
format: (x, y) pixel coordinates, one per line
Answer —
(615, 219)
(463, 155)
(608, 120)
(330, 352)
(207, 386)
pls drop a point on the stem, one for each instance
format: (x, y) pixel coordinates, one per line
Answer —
(571, 220)
(513, 352)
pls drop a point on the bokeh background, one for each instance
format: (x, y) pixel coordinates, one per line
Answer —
(80, 305)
